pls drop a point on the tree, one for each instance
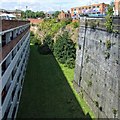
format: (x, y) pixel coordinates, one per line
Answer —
(64, 50)
(49, 41)
(56, 13)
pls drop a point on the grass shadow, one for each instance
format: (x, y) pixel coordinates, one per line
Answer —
(46, 92)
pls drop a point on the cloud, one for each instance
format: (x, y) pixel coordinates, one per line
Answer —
(46, 5)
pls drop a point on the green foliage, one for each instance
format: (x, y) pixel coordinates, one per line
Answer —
(49, 41)
(108, 23)
(32, 14)
(108, 18)
(70, 63)
(56, 13)
(75, 24)
(108, 44)
(50, 26)
(64, 50)
(114, 111)
(110, 10)
(68, 21)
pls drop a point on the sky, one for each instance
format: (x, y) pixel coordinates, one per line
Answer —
(46, 5)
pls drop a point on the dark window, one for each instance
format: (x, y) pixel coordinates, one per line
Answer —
(3, 40)
(4, 67)
(4, 92)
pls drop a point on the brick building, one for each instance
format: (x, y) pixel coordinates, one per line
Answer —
(90, 9)
(64, 15)
(117, 7)
(14, 53)
(35, 21)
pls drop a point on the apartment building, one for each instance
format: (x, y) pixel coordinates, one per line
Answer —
(14, 53)
(90, 9)
(117, 7)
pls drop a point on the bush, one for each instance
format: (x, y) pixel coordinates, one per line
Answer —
(70, 63)
(108, 23)
(64, 50)
(49, 41)
(108, 44)
(75, 24)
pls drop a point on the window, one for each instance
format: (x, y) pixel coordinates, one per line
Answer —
(93, 6)
(74, 9)
(4, 67)
(3, 40)
(79, 8)
(98, 6)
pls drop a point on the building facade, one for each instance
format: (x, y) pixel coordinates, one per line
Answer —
(90, 9)
(117, 7)
(14, 53)
(64, 15)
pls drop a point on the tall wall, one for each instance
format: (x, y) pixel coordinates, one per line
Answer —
(97, 68)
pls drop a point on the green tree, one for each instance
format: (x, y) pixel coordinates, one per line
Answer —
(56, 13)
(64, 50)
(49, 41)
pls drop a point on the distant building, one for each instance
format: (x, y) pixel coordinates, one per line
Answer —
(64, 15)
(117, 7)
(35, 21)
(5, 16)
(16, 12)
(90, 9)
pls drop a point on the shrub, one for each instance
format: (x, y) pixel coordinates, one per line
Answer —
(108, 23)
(64, 50)
(108, 44)
(75, 24)
(70, 63)
(49, 41)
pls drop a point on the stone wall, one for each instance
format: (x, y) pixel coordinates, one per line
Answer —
(97, 69)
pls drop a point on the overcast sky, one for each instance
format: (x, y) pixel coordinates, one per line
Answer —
(46, 5)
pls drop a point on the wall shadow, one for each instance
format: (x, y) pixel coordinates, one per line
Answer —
(46, 92)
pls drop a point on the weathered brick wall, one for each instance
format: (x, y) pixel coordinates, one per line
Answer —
(97, 70)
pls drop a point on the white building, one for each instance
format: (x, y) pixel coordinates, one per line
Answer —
(14, 53)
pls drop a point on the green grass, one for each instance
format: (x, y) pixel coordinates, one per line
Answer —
(69, 74)
(46, 92)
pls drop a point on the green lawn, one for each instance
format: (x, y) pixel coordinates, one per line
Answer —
(46, 92)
